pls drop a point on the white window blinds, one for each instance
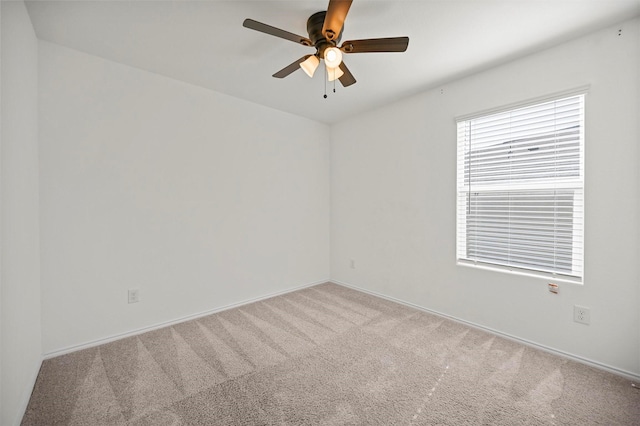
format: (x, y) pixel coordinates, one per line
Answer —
(520, 188)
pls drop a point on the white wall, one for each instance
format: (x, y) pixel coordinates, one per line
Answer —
(198, 199)
(21, 345)
(393, 200)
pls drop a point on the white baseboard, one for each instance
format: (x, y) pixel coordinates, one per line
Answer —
(627, 374)
(137, 331)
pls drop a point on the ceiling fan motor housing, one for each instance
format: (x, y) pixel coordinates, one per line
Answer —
(314, 28)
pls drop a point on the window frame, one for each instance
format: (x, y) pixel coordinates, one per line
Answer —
(577, 241)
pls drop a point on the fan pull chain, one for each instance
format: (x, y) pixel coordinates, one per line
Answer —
(325, 82)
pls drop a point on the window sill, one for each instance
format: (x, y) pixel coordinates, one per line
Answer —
(513, 271)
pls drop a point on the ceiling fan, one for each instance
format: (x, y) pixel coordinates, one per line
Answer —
(325, 31)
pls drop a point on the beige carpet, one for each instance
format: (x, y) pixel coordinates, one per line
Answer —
(325, 355)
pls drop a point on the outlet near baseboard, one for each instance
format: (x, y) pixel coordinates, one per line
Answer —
(134, 295)
(581, 314)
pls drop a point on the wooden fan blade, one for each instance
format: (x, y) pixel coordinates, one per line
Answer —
(268, 29)
(347, 79)
(290, 68)
(334, 20)
(392, 44)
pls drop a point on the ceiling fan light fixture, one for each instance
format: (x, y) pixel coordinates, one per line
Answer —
(332, 57)
(334, 73)
(310, 65)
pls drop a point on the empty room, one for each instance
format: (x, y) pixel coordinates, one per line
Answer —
(320, 212)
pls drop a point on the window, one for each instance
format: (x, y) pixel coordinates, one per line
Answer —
(520, 187)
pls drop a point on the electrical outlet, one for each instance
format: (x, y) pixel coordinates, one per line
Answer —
(134, 295)
(581, 314)
(353, 264)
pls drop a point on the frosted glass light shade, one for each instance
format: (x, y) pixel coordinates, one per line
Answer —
(332, 57)
(310, 65)
(334, 73)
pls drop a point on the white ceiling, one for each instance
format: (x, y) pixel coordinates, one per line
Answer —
(204, 43)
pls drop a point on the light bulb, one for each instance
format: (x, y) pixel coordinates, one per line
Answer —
(334, 73)
(332, 57)
(310, 64)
